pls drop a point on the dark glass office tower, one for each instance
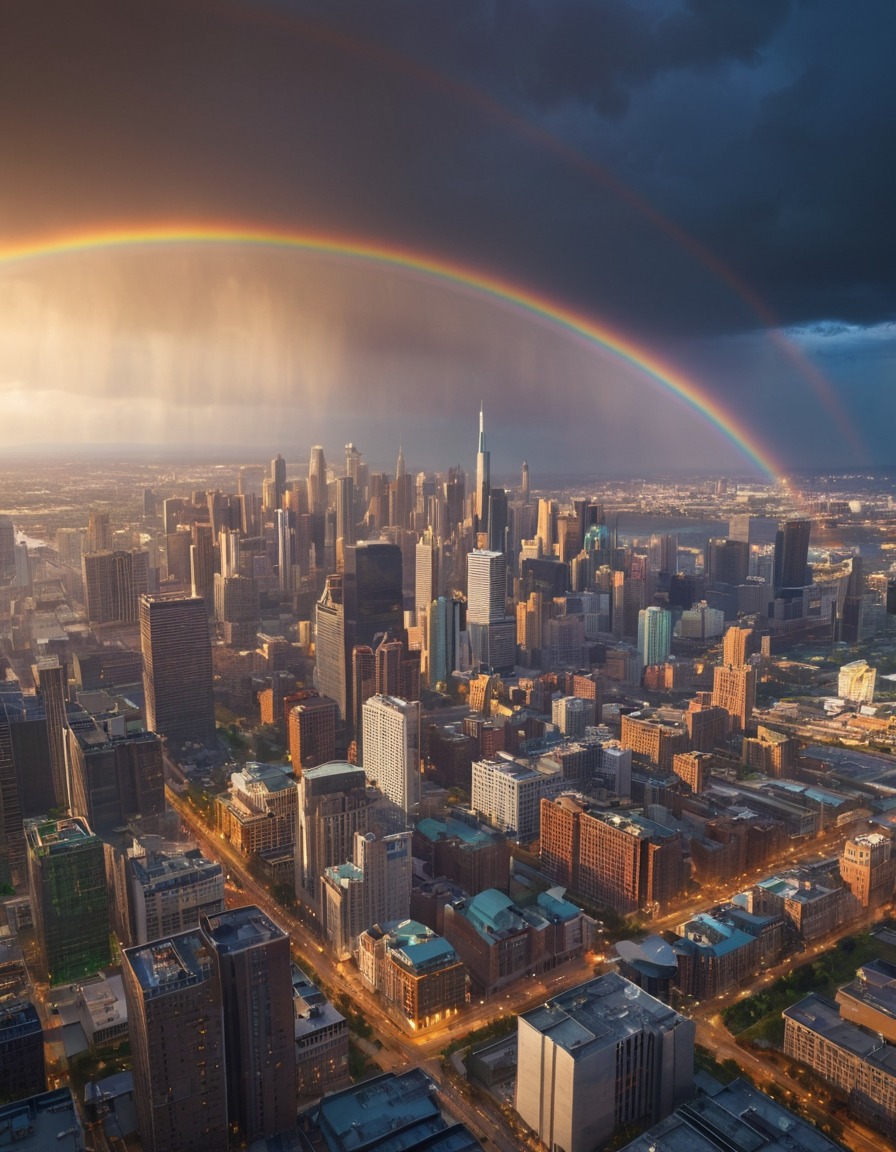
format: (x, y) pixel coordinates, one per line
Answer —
(372, 593)
(791, 554)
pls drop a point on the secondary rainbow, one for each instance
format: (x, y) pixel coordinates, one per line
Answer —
(454, 275)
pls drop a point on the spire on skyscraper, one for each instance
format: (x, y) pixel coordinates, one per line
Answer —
(483, 479)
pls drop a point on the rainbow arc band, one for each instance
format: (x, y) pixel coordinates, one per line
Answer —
(557, 315)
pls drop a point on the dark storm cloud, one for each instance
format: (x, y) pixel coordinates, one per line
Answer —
(662, 165)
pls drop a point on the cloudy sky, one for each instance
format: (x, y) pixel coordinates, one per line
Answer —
(711, 182)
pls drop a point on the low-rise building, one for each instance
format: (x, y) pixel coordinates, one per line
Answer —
(473, 855)
(259, 812)
(418, 974)
(321, 1039)
(388, 1112)
(500, 941)
(853, 1058)
(737, 1116)
(868, 868)
(870, 999)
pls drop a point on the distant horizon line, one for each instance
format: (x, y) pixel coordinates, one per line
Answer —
(259, 457)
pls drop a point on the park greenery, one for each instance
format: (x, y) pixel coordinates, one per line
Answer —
(757, 1018)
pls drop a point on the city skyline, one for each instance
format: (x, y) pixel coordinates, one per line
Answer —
(631, 234)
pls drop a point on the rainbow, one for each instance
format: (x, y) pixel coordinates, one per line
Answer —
(391, 61)
(486, 286)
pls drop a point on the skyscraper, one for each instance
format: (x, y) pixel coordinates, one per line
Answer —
(176, 1024)
(727, 561)
(333, 804)
(278, 475)
(331, 674)
(392, 752)
(65, 860)
(654, 635)
(51, 679)
(177, 668)
(426, 574)
(7, 550)
(259, 1031)
(312, 732)
(284, 520)
(492, 632)
(791, 554)
(113, 584)
(317, 481)
(483, 478)
(114, 778)
(524, 485)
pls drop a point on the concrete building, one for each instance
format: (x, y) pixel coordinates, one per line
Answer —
(868, 868)
(418, 974)
(856, 682)
(509, 794)
(259, 811)
(113, 585)
(734, 689)
(389, 1111)
(852, 1057)
(693, 768)
(653, 739)
(321, 1040)
(472, 855)
(571, 715)
(34, 1123)
(598, 1057)
(500, 942)
(173, 993)
(392, 753)
(64, 858)
(114, 777)
(737, 1116)
(170, 893)
(373, 888)
(334, 803)
(492, 632)
(870, 999)
(253, 955)
(772, 753)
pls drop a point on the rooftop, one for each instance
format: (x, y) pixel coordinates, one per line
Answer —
(739, 1118)
(361, 1116)
(600, 1013)
(41, 1122)
(53, 836)
(241, 928)
(170, 965)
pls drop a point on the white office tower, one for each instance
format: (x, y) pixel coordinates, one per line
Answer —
(599, 1057)
(492, 632)
(392, 754)
(373, 888)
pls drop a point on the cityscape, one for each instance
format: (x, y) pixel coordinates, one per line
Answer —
(447, 577)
